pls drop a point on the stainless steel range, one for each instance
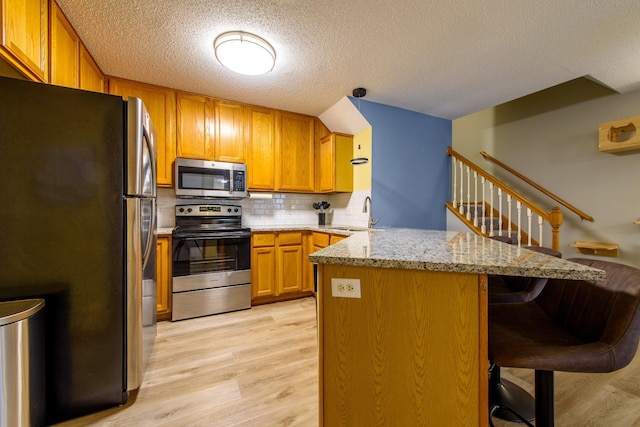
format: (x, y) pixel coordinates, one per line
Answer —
(211, 261)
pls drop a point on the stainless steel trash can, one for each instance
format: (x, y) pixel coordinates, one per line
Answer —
(22, 380)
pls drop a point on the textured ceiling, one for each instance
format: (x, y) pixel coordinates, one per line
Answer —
(440, 57)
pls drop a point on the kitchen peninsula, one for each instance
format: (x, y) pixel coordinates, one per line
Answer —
(408, 343)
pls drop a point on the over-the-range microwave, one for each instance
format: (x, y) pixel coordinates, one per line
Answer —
(203, 178)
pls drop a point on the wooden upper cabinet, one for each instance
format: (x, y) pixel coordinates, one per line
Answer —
(195, 123)
(295, 159)
(24, 26)
(261, 149)
(161, 104)
(229, 132)
(333, 167)
(64, 52)
(91, 77)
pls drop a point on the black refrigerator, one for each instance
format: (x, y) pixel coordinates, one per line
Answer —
(78, 229)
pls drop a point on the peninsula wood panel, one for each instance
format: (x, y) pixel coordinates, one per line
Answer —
(411, 351)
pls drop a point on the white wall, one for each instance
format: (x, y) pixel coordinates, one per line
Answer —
(552, 138)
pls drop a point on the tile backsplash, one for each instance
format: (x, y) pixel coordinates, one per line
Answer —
(278, 208)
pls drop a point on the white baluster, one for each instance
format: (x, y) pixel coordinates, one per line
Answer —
(483, 228)
(499, 211)
(519, 208)
(454, 188)
(540, 223)
(509, 221)
(468, 193)
(475, 198)
(529, 215)
(461, 208)
(491, 209)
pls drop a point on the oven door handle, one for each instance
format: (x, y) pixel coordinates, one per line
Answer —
(200, 236)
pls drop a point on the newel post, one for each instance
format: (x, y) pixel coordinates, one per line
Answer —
(556, 222)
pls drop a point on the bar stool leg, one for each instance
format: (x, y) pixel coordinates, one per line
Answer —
(544, 398)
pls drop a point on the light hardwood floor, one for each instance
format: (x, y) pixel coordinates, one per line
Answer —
(258, 368)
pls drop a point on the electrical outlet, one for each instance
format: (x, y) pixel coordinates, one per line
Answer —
(345, 288)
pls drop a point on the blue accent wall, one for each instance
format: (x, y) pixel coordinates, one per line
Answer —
(410, 169)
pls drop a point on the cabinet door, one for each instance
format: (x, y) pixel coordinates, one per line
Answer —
(229, 132)
(263, 271)
(334, 170)
(65, 50)
(91, 77)
(289, 264)
(261, 150)
(161, 104)
(24, 27)
(195, 136)
(296, 153)
(325, 164)
(163, 277)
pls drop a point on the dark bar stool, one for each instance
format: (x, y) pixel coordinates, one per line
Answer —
(511, 289)
(573, 325)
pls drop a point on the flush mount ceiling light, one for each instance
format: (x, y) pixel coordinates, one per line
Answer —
(244, 53)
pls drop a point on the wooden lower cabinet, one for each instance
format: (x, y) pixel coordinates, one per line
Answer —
(263, 266)
(163, 277)
(277, 266)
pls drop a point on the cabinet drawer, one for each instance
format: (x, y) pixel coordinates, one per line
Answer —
(263, 239)
(321, 239)
(290, 238)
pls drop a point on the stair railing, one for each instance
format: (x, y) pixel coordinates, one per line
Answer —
(469, 208)
(543, 190)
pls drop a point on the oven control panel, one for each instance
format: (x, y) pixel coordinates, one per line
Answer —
(208, 210)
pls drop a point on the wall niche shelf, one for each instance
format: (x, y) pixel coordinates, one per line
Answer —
(596, 248)
(619, 135)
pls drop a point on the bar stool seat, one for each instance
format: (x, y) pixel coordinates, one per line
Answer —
(573, 326)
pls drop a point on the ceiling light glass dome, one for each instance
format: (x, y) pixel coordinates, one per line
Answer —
(244, 53)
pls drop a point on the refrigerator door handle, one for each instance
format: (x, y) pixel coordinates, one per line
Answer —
(151, 236)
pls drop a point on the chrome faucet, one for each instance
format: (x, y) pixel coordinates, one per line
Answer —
(371, 222)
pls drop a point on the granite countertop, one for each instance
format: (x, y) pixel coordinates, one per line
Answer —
(451, 251)
(345, 230)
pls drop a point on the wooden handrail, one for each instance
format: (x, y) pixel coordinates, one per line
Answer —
(543, 190)
(535, 208)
